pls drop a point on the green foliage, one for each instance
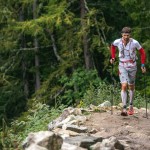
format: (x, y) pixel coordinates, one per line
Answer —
(36, 119)
(77, 84)
(18, 28)
(105, 92)
(139, 100)
(11, 94)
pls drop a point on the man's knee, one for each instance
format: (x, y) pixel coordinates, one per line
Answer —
(131, 87)
(124, 86)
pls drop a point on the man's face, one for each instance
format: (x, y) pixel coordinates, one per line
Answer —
(126, 36)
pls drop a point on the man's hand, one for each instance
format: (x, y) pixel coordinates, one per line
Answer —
(112, 60)
(143, 68)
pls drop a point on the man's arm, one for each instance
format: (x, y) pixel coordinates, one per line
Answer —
(143, 59)
(113, 53)
(143, 55)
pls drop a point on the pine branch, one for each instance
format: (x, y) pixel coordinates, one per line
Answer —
(86, 7)
(54, 45)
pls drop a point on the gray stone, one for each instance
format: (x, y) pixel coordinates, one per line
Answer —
(76, 128)
(125, 144)
(111, 144)
(59, 123)
(105, 104)
(35, 147)
(45, 139)
(95, 146)
(83, 141)
(67, 146)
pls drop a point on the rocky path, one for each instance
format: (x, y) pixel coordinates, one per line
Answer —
(94, 128)
(134, 129)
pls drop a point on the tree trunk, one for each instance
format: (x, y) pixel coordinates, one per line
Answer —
(24, 63)
(87, 55)
(36, 45)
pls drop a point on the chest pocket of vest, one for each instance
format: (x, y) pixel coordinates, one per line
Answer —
(121, 50)
(133, 53)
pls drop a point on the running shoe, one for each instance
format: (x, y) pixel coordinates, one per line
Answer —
(124, 113)
(130, 111)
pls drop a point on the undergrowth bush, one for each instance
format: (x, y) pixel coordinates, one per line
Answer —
(85, 87)
(34, 120)
(77, 84)
(103, 92)
(106, 92)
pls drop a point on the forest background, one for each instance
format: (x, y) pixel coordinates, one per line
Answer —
(55, 53)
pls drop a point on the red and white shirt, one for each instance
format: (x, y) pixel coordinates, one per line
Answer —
(127, 52)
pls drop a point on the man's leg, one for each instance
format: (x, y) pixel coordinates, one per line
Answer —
(132, 75)
(124, 95)
(123, 75)
(131, 95)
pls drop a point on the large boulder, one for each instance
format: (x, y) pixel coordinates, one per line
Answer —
(43, 140)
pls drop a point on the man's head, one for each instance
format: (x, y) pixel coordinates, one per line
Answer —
(126, 31)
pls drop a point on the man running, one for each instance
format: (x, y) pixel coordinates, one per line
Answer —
(127, 47)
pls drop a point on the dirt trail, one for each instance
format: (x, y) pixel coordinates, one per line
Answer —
(134, 129)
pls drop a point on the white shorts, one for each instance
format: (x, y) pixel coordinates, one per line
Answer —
(127, 74)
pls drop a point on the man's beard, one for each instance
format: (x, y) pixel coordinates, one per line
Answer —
(126, 40)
